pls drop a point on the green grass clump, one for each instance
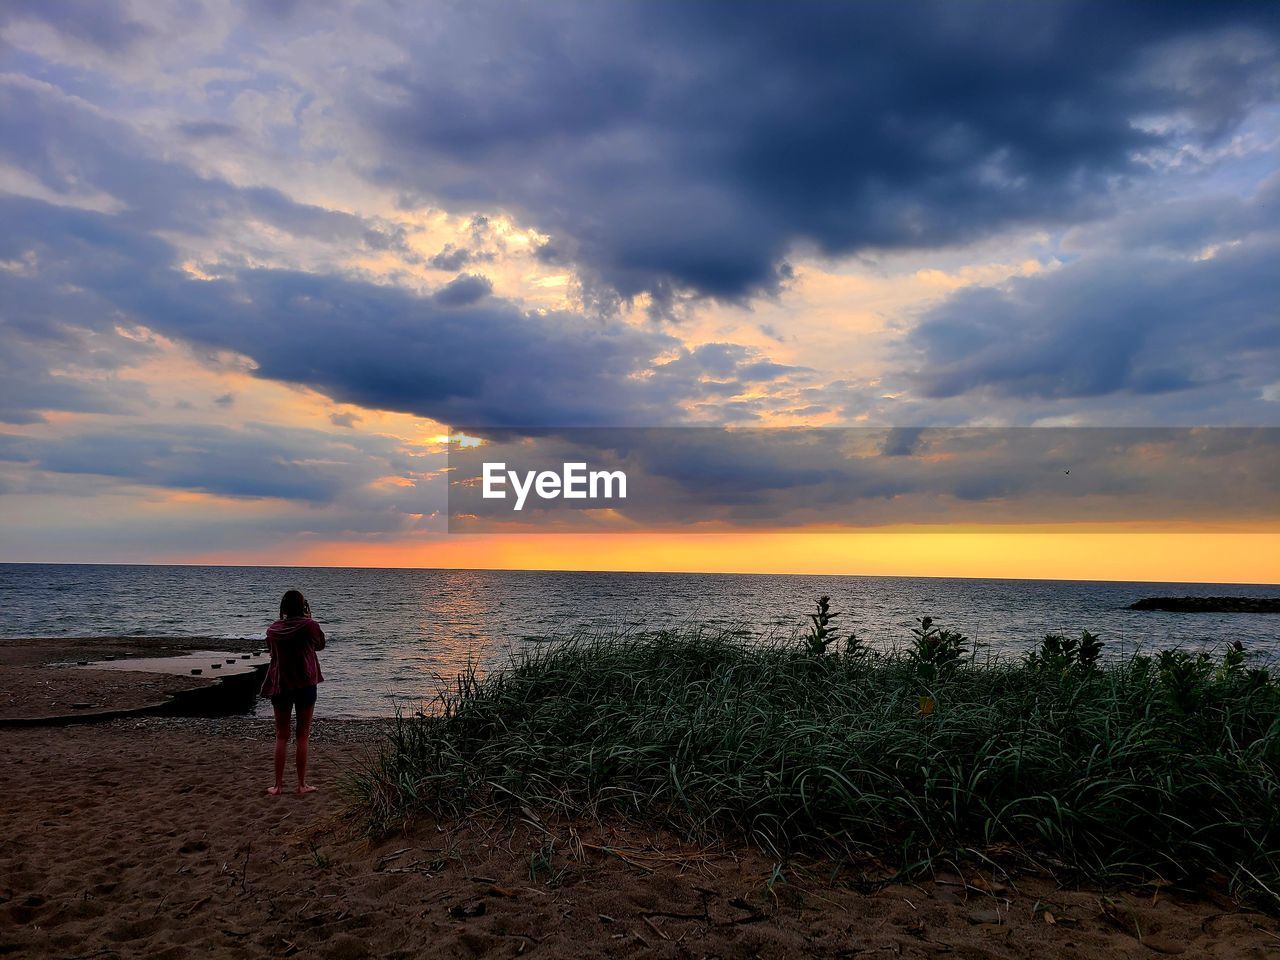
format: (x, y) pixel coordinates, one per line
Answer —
(1145, 767)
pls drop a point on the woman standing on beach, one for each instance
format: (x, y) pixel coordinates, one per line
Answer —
(291, 682)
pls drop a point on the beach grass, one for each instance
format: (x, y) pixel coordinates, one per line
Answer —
(1151, 767)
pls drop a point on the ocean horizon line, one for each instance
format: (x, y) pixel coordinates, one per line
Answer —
(615, 571)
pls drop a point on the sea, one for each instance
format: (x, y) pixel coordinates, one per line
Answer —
(395, 636)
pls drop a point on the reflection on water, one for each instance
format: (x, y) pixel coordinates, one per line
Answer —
(393, 633)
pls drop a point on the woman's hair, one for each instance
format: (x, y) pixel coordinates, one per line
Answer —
(294, 604)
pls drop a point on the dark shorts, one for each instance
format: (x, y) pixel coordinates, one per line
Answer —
(302, 697)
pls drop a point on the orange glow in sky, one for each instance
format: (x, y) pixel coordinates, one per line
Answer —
(1182, 556)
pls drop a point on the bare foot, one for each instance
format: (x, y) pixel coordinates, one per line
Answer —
(306, 788)
(275, 791)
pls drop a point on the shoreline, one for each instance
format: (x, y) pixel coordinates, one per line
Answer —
(45, 680)
(153, 837)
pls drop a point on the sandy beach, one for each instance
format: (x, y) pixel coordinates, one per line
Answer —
(153, 837)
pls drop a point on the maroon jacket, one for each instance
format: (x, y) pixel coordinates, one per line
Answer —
(293, 644)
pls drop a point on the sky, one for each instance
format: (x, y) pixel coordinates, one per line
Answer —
(260, 261)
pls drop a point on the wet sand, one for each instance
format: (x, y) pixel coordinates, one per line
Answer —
(41, 678)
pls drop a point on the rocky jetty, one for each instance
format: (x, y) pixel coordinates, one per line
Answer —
(1209, 604)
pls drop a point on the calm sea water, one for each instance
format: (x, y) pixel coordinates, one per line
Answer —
(395, 633)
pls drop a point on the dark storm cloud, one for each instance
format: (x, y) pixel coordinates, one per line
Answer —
(453, 258)
(463, 290)
(680, 150)
(456, 355)
(688, 147)
(450, 258)
(454, 360)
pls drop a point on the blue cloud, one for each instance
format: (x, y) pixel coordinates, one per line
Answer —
(679, 150)
(1121, 319)
(252, 462)
(103, 24)
(672, 147)
(71, 149)
(458, 355)
(463, 290)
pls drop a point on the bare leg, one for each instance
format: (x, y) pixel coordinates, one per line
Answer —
(301, 746)
(282, 748)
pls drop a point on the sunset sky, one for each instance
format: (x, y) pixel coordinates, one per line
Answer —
(259, 261)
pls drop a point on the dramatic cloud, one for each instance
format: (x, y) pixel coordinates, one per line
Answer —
(1174, 300)
(671, 147)
(463, 290)
(645, 212)
(456, 355)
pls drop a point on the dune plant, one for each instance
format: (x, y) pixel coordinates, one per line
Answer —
(1059, 654)
(936, 652)
(822, 631)
(1136, 767)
